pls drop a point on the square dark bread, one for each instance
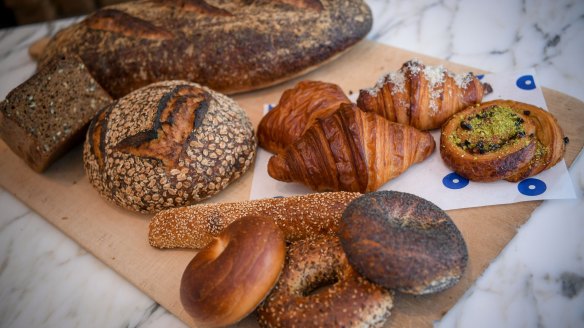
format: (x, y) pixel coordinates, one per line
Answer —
(48, 114)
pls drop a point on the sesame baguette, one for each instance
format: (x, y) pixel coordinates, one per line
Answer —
(298, 217)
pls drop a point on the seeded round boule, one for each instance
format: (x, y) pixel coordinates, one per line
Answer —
(166, 145)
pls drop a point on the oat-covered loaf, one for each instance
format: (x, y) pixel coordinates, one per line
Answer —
(46, 115)
(229, 46)
(168, 144)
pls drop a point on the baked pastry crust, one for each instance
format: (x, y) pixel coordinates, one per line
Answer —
(501, 139)
(551, 141)
(351, 150)
(421, 96)
(296, 111)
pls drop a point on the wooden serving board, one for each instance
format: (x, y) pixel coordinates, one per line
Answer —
(63, 196)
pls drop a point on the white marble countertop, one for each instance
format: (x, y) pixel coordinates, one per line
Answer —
(47, 280)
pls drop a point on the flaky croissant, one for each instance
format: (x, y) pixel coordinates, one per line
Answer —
(297, 109)
(351, 150)
(422, 96)
(501, 139)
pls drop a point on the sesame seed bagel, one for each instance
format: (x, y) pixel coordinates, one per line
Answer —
(166, 145)
(403, 242)
(319, 288)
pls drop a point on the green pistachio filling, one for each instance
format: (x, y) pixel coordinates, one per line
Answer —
(541, 151)
(489, 130)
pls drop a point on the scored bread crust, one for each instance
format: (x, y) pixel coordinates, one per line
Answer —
(229, 46)
(166, 145)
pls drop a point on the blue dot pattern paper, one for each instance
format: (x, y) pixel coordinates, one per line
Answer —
(526, 82)
(532, 187)
(454, 181)
(433, 180)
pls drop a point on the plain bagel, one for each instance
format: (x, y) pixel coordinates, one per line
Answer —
(403, 242)
(229, 278)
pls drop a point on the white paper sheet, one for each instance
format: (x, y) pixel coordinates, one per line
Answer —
(431, 179)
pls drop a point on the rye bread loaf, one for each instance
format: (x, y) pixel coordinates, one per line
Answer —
(46, 115)
(229, 46)
(168, 144)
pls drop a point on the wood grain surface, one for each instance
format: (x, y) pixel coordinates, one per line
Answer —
(63, 196)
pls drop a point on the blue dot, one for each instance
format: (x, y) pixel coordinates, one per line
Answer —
(454, 181)
(480, 76)
(526, 82)
(270, 107)
(531, 187)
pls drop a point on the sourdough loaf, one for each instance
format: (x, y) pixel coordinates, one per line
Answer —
(168, 144)
(46, 115)
(229, 46)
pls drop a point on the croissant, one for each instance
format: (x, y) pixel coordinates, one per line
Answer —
(501, 139)
(351, 150)
(422, 96)
(297, 109)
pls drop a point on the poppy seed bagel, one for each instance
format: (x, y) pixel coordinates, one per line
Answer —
(403, 242)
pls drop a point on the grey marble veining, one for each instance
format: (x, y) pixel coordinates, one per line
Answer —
(537, 280)
(492, 35)
(47, 280)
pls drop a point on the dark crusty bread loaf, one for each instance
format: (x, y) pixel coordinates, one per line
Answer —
(229, 46)
(47, 114)
(169, 144)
